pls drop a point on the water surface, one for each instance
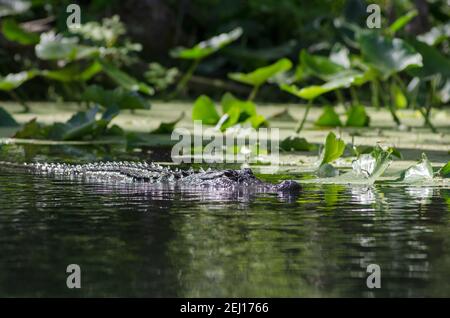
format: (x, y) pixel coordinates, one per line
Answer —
(134, 241)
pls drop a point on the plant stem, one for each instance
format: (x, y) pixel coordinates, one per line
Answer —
(253, 93)
(375, 94)
(388, 104)
(186, 77)
(340, 98)
(355, 99)
(300, 127)
(26, 108)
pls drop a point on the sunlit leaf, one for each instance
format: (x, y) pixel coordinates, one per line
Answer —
(436, 35)
(12, 81)
(311, 92)
(333, 149)
(208, 47)
(398, 98)
(14, 32)
(419, 172)
(402, 21)
(328, 118)
(205, 110)
(445, 170)
(357, 117)
(57, 47)
(262, 74)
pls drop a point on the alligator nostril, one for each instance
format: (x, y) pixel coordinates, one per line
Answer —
(289, 185)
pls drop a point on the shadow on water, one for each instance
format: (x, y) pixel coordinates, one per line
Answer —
(142, 241)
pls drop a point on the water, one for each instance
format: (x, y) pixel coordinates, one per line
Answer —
(131, 241)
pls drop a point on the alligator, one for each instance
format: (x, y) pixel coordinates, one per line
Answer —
(157, 175)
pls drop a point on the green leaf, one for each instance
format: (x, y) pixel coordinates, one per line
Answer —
(333, 149)
(6, 120)
(239, 111)
(205, 110)
(419, 172)
(436, 35)
(82, 124)
(257, 121)
(433, 61)
(387, 55)
(311, 92)
(120, 97)
(32, 130)
(12, 81)
(124, 80)
(208, 47)
(329, 118)
(14, 32)
(445, 171)
(402, 21)
(365, 170)
(399, 99)
(296, 143)
(73, 73)
(372, 165)
(357, 117)
(167, 128)
(262, 74)
(53, 47)
(320, 66)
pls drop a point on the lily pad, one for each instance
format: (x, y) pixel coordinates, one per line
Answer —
(205, 110)
(262, 74)
(421, 171)
(320, 66)
(208, 47)
(387, 55)
(328, 118)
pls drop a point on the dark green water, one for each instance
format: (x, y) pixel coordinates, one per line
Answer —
(131, 241)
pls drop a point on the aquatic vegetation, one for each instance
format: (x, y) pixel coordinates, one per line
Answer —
(200, 51)
(261, 75)
(235, 111)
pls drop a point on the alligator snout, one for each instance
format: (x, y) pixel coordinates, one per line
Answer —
(289, 186)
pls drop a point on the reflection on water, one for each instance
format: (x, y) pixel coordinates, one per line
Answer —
(137, 241)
